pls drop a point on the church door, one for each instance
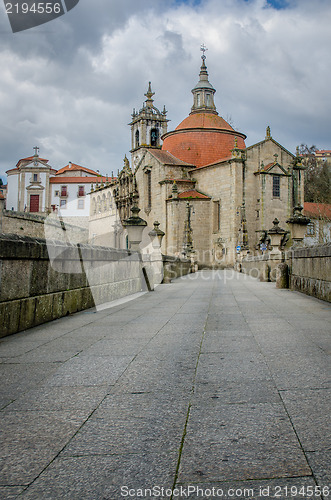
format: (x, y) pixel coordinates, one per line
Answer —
(34, 203)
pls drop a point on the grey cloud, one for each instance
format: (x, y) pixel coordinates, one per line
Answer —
(71, 88)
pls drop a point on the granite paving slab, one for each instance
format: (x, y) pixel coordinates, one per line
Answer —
(31, 440)
(90, 371)
(311, 416)
(232, 366)
(320, 463)
(102, 477)
(240, 441)
(229, 392)
(211, 373)
(11, 492)
(52, 398)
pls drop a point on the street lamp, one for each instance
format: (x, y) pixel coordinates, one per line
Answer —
(134, 226)
(156, 235)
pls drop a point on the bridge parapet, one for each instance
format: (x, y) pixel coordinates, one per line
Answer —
(309, 269)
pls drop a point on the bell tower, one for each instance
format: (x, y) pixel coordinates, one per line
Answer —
(148, 125)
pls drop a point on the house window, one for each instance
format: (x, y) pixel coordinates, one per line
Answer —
(35, 177)
(57, 193)
(154, 137)
(217, 216)
(63, 203)
(64, 191)
(80, 204)
(311, 229)
(276, 186)
(81, 191)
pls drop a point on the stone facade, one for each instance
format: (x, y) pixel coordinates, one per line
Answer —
(205, 184)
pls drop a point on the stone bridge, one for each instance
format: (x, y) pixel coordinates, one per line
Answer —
(214, 386)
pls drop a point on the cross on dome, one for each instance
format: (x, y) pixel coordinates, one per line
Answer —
(203, 49)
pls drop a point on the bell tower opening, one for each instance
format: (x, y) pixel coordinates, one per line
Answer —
(148, 124)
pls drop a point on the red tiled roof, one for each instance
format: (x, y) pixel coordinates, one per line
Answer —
(202, 139)
(204, 120)
(167, 158)
(31, 158)
(323, 151)
(76, 180)
(192, 193)
(72, 166)
(266, 167)
(317, 210)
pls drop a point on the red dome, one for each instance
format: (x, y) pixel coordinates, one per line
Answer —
(202, 138)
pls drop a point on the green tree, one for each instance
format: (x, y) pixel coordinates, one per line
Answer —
(317, 176)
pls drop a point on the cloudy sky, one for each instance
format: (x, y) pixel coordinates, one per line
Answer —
(69, 86)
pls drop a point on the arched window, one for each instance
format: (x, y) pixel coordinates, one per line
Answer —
(94, 207)
(109, 202)
(137, 139)
(104, 206)
(198, 100)
(154, 137)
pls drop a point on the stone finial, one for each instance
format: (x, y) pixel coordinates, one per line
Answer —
(164, 112)
(268, 133)
(277, 237)
(298, 225)
(276, 158)
(156, 234)
(149, 94)
(92, 188)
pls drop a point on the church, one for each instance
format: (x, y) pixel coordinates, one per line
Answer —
(213, 196)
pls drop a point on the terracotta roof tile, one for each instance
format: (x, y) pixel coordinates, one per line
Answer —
(192, 193)
(202, 139)
(168, 158)
(72, 166)
(204, 120)
(76, 180)
(31, 158)
(317, 210)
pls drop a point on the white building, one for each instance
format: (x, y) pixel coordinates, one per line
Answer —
(28, 185)
(35, 187)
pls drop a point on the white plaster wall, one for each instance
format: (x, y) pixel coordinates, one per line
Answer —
(12, 193)
(72, 209)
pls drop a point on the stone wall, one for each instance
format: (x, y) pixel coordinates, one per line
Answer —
(309, 269)
(26, 224)
(174, 267)
(41, 282)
